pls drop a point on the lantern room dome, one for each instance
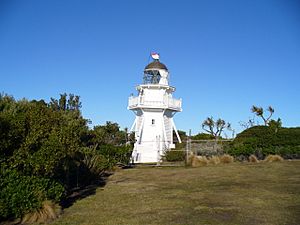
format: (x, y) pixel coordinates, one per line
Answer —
(156, 65)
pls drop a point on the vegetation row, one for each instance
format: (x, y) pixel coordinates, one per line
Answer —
(47, 151)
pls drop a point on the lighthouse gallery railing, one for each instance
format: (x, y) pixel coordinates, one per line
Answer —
(168, 102)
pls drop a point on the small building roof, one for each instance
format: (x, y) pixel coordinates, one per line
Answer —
(156, 65)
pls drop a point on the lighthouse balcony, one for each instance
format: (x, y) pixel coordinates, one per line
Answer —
(166, 103)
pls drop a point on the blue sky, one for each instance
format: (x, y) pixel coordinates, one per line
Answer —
(223, 56)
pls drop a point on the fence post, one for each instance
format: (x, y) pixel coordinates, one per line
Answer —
(158, 144)
(187, 151)
(188, 147)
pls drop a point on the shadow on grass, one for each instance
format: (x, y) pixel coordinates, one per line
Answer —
(83, 192)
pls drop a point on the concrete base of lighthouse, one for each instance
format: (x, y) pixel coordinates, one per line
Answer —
(146, 154)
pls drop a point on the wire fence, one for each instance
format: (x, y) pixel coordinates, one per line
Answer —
(180, 155)
(167, 154)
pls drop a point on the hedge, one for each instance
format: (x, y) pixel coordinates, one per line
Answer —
(263, 140)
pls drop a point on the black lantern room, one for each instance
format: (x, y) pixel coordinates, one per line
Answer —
(151, 72)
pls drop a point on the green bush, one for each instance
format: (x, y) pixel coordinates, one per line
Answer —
(263, 140)
(175, 155)
(48, 149)
(115, 154)
(20, 194)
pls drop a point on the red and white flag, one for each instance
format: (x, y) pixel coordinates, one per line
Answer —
(155, 55)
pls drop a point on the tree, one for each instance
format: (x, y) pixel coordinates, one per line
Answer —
(66, 103)
(109, 133)
(249, 123)
(259, 111)
(63, 102)
(215, 128)
(73, 102)
(275, 125)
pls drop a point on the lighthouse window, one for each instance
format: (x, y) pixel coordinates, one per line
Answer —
(153, 121)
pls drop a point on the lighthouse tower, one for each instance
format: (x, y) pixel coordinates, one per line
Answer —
(154, 108)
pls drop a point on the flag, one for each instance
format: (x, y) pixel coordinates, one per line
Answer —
(155, 55)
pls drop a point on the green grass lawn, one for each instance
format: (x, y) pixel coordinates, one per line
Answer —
(237, 193)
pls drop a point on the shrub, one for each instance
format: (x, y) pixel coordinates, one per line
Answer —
(175, 155)
(20, 194)
(226, 158)
(46, 151)
(203, 136)
(253, 159)
(115, 154)
(94, 162)
(273, 158)
(263, 141)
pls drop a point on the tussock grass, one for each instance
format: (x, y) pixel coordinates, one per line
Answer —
(48, 212)
(274, 158)
(214, 160)
(253, 159)
(226, 158)
(197, 161)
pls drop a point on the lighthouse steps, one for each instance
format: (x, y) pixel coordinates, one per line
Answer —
(147, 152)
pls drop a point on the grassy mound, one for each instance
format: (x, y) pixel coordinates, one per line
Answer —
(263, 140)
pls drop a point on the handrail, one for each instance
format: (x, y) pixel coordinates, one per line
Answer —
(168, 102)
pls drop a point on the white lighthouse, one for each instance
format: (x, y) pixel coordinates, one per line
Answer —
(154, 108)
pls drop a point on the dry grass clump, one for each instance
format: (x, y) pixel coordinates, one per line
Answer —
(48, 212)
(274, 158)
(226, 158)
(197, 161)
(253, 159)
(214, 160)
